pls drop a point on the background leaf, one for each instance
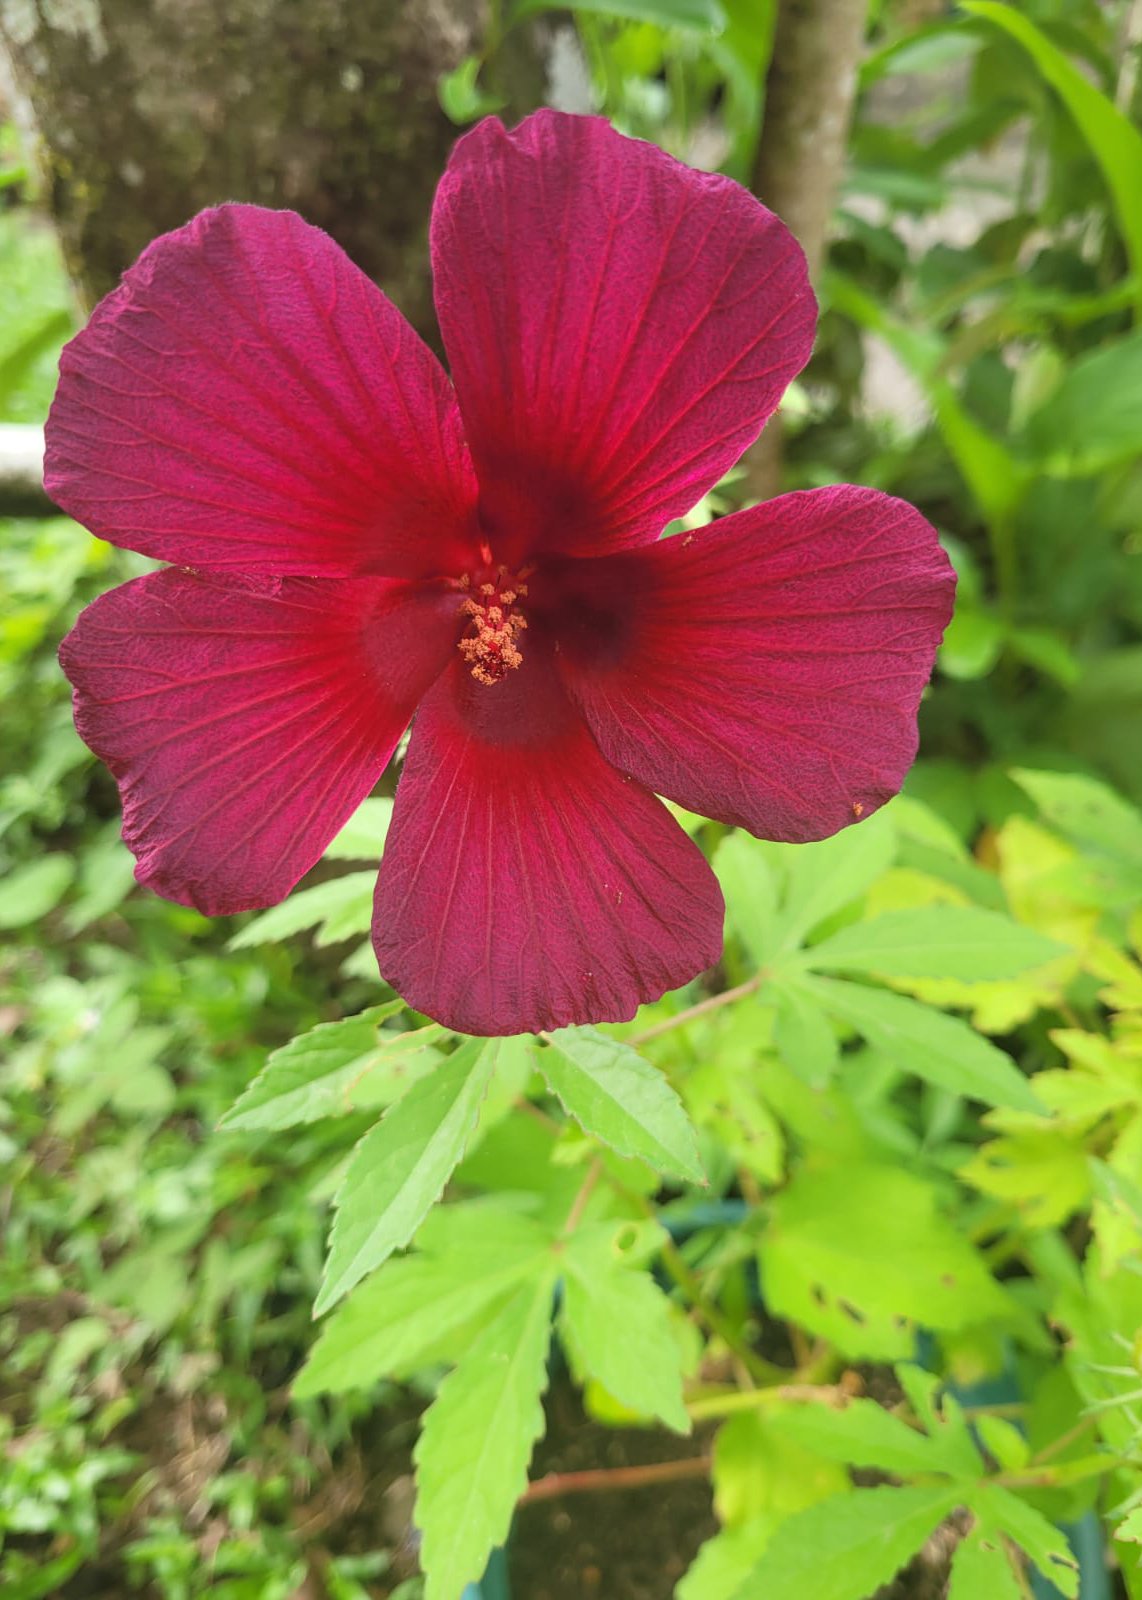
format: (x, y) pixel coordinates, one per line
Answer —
(1114, 141)
(939, 1048)
(859, 1254)
(706, 16)
(935, 942)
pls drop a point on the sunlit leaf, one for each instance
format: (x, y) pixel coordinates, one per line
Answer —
(935, 942)
(1041, 1543)
(864, 1434)
(363, 836)
(333, 1069)
(941, 1049)
(411, 1313)
(861, 1254)
(613, 1093)
(847, 1547)
(617, 1321)
(339, 908)
(1087, 811)
(982, 1567)
(399, 1169)
(825, 876)
(477, 1439)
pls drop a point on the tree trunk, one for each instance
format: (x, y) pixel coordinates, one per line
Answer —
(144, 111)
(809, 93)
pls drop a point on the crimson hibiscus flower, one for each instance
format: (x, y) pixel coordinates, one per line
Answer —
(355, 539)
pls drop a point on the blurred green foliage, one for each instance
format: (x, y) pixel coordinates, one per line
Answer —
(909, 1292)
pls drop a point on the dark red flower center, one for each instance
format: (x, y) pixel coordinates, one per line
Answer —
(492, 605)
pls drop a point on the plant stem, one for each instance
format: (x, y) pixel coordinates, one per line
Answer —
(1056, 1446)
(835, 1395)
(712, 1003)
(586, 1189)
(756, 1368)
(555, 1484)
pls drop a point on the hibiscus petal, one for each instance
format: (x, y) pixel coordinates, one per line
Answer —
(245, 722)
(525, 884)
(248, 399)
(766, 671)
(619, 328)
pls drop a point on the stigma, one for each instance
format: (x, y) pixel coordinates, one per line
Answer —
(491, 641)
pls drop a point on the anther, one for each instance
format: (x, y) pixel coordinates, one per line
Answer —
(490, 645)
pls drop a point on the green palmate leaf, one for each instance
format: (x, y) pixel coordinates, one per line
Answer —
(477, 1439)
(1113, 140)
(1004, 1442)
(1040, 1541)
(982, 1569)
(860, 1254)
(942, 1050)
(943, 1418)
(935, 942)
(863, 1434)
(1086, 811)
(847, 1547)
(726, 1560)
(1129, 1530)
(805, 1037)
(758, 1470)
(335, 1068)
(613, 1093)
(363, 836)
(724, 1098)
(706, 16)
(617, 1323)
(399, 1169)
(421, 1309)
(825, 876)
(340, 908)
(750, 891)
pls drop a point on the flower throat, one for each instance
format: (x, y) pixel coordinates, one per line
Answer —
(490, 644)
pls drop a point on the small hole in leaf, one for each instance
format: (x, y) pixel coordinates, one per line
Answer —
(626, 1238)
(819, 1296)
(852, 1312)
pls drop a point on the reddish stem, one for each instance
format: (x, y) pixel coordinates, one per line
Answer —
(555, 1484)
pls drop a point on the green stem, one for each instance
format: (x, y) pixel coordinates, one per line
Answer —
(834, 1395)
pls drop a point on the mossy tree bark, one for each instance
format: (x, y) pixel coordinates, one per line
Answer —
(144, 111)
